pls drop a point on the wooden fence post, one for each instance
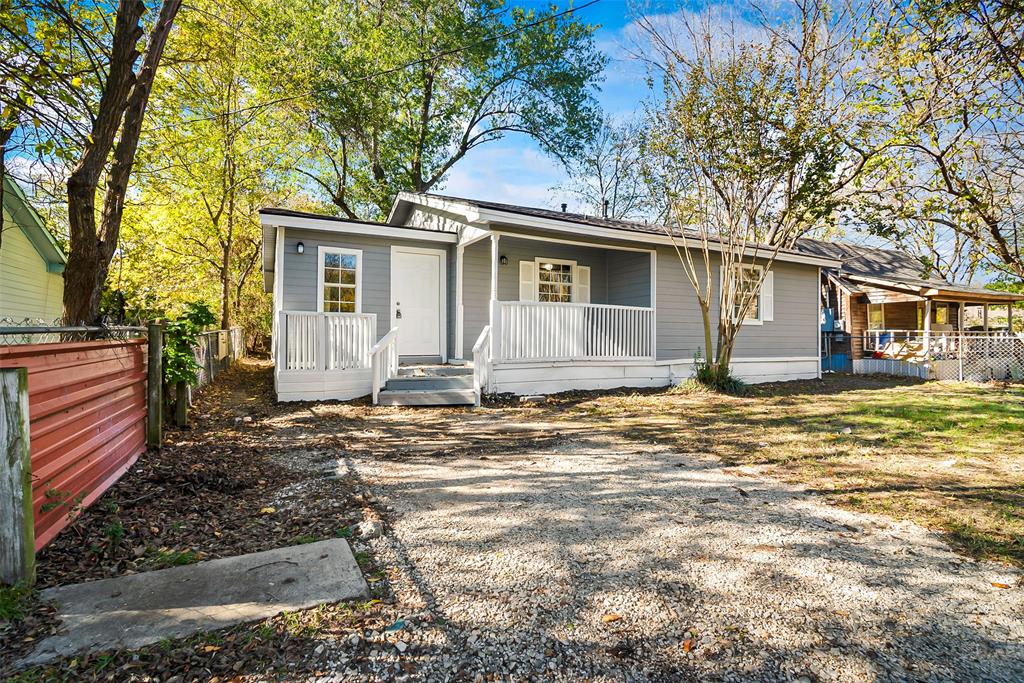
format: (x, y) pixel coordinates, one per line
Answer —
(17, 526)
(155, 387)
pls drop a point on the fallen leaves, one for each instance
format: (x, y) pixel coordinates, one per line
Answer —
(1000, 585)
(611, 617)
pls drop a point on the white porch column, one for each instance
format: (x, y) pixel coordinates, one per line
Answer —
(984, 317)
(1009, 317)
(495, 256)
(493, 307)
(459, 346)
(927, 329)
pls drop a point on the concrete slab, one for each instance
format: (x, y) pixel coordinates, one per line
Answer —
(132, 611)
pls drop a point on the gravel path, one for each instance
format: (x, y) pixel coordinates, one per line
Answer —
(597, 561)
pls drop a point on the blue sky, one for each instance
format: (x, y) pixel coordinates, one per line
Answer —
(514, 169)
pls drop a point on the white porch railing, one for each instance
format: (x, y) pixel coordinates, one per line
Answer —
(384, 361)
(919, 344)
(534, 331)
(482, 363)
(325, 341)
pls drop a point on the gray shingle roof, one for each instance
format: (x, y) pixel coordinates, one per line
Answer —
(890, 265)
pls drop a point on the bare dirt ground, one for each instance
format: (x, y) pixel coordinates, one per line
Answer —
(622, 536)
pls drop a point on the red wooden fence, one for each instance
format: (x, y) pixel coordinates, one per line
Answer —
(87, 421)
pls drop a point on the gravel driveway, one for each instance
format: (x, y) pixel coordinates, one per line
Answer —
(593, 560)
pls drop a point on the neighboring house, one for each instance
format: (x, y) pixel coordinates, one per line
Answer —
(882, 302)
(536, 301)
(31, 262)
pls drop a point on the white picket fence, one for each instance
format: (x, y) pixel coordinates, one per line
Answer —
(535, 331)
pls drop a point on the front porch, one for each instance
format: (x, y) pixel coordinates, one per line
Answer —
(575, 314)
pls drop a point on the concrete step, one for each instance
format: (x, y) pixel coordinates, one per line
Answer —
(434, 370)
(432, 382)
(427, 397)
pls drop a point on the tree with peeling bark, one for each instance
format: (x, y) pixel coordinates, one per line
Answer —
(753, 135)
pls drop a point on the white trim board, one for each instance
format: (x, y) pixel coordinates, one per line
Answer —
(577, 243)
(477, 215)
(355, 228)
(550, 378)
(321, 252)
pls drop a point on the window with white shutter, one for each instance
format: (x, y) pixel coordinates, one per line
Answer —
(527, 281)
(582, 285)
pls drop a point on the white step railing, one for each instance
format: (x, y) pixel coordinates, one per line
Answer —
(535, 331)
(482, 364)
(325, 341)
(384, 361)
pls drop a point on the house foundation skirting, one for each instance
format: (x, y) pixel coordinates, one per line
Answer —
(314, 385)
(551, 377)
(554, 377)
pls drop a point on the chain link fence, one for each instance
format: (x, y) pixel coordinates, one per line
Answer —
(16, 331)
(958, 356)
(216, 351)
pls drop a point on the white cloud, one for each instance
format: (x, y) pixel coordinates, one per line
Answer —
(513, 171)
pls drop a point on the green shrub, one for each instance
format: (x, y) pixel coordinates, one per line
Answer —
(716, 378)
(180, 338)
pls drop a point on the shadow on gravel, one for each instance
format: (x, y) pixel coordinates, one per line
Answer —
(766, 581)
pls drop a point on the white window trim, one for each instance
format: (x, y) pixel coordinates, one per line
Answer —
(536, 276)
(322, 252)
(759, 320)
(868, 321)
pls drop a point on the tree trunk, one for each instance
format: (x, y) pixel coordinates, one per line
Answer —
(119, 117)
(225, 287)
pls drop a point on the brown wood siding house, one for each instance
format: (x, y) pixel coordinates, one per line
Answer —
(905, 300)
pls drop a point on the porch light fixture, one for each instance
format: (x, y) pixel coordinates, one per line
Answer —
(504, 260)
(300, 247)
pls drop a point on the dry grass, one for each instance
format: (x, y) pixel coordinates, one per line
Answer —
(946, 455)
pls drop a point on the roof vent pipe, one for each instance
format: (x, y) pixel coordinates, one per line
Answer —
(604, 209)
(564, 205)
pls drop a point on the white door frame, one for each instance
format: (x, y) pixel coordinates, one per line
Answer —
(442, 292)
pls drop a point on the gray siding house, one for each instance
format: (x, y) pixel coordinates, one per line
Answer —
(451, 298)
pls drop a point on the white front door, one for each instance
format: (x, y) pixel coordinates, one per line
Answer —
(417, 300)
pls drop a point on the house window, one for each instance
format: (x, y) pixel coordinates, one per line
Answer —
(876, 316)
(940, 315)
(555, 280)
(746, 293)
(340, 279)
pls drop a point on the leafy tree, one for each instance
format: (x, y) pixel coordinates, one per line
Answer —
(203, 179)
(755, 149)
(87, 110)
(953, 171)
(399, 92)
